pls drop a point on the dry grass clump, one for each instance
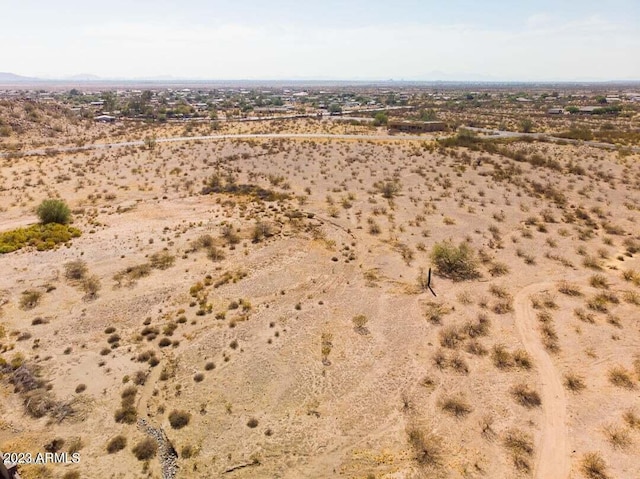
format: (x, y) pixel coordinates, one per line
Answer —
(632, 419)
(582, 315)
(543, 300)
(129, 276)
(502, 307)
(631, 297)
(427, 448)
(476, 348)
(525, 396)
(618, 437)
(549, 337)
(599, 281)
(435, 312)
(145, 449)
(522, 359)
(162, 260)
(620, 377)
(498, 268)
(632, 276)
(601, 301)
(573, 382)
(451, 337)
(593, 466)
(90, 285)
(592, 262)
(570, 289)
(520, 446)
(503, 359)
(479, 328)
(30, 298)
(456, 406)
(75, 270)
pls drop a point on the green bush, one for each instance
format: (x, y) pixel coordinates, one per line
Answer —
(53, 211)
(42, 237)
(455, 262)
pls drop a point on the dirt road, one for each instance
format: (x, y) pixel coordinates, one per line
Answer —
(552, 459)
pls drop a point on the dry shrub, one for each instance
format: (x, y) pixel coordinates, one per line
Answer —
(30, 299)
(525, 396)
(456, 406)
(455, 262)
(162, 260)
(618, 437)
(458, 364)
(435, 312)
(582, 315)
(451, 337)
(116, 444)
(520, 446)
(145, 449)
(522, 359)
(179, 419)
(502, 307)
(498, 269)
(632, 419)
(574, 382)
(599, 281)
(593, 466)
(501, 357)
(620, 377)
(476, 348)
(569, 289)
(427, 448)
(75, 270)
(549, 337)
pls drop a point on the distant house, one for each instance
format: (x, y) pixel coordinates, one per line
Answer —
(555, 111)
(104, 118)
(415, 126)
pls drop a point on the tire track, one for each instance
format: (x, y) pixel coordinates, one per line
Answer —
(552, 458)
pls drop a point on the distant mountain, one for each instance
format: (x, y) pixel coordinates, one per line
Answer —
(83, 77)
(6, 77)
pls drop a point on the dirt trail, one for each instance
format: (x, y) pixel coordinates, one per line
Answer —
(553, 459)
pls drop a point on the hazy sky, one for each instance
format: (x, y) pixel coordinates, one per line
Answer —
(328, 39)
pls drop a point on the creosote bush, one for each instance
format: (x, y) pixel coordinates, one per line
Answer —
(455, 262)
(54, 211)
(116, 444)
(179, 419)
(145, 449)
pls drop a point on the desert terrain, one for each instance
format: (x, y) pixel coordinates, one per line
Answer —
(258, 307)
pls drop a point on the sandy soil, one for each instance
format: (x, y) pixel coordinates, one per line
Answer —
(259, 346)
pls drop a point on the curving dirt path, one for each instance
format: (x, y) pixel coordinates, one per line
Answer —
(552, 459)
